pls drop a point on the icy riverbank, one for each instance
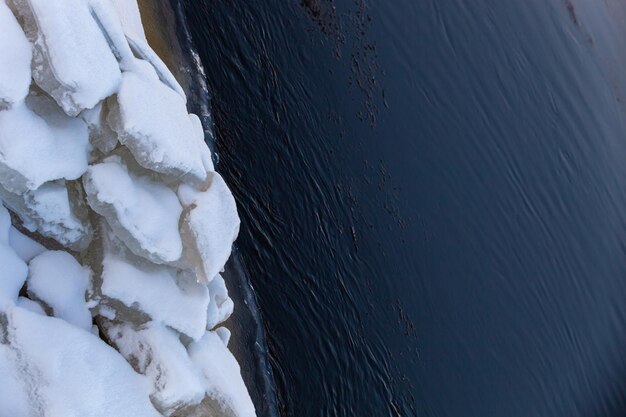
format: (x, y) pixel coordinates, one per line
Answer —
(100, 161)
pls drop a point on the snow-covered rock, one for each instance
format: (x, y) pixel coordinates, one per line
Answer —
(143, 213)
(209, 226)
(226, 392)
(72, 60)
(57, 279)
(157, 352)
(168, 143)
(15, 57)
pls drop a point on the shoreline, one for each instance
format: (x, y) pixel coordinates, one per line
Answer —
(167, 32)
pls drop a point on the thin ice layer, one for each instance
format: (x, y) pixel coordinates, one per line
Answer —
(226, 391)
(72, 60)
(67, 371)
(161, 136)
(156, 352)
(143, 213)
(209, 226)
(57, 279)
(15, 57)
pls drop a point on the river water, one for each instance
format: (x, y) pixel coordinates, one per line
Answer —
(432, 196)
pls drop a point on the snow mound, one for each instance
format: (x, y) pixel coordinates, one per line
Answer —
(209, 226)
(143, 213)
(25, 247)
(15, 57)
(72, 60)
(58, 280)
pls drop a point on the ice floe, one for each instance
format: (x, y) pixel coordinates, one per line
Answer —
(15, 58)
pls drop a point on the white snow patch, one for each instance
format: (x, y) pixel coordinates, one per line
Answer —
(25, 247)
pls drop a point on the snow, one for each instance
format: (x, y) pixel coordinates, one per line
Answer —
(158, 353)
(143, 213)
(13, 395)
(58, 280)
(33, 152)
(15, 58)
(210, 225)
(221, 306)
(25, 247)
(13, 271)
(106, 16)
(84, 377)
(130, 17)
(165, 143)
(72, 60)
(30, 305)
(225, 387)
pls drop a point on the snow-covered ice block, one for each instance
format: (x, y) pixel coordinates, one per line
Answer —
(51, 212)
(57, 279)
(163, 293)
(72, 60)
(107, 18)
(161, 135)
(142, 50)
(143, 213)
(157, 352)
(226, 391)
(67, 371)
(100, 134)
(209, 226)
(221, 305)
(33, 151)
(25, 247)
(15, 57)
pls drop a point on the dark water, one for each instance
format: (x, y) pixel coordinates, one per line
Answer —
(433, 199)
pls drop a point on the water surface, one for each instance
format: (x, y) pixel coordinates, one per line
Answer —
(432, 196)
